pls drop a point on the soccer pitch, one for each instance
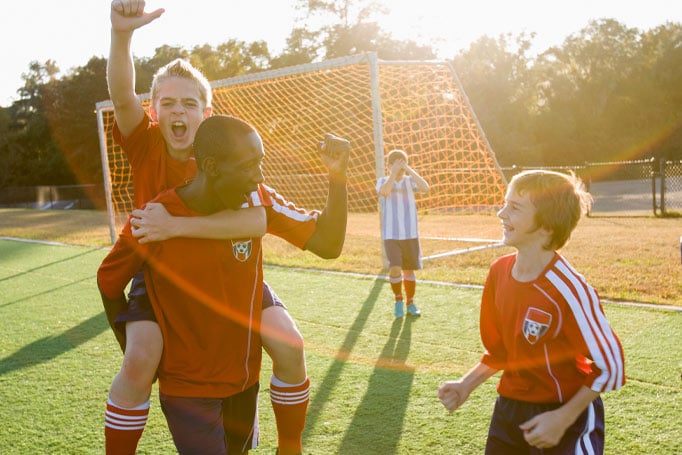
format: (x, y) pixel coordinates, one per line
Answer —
(374, 378)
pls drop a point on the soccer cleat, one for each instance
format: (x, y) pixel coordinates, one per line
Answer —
(399, 309)
(413, 310)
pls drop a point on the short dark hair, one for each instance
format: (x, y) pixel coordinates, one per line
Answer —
(217, 136)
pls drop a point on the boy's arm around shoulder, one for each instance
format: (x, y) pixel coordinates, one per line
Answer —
(154, 223)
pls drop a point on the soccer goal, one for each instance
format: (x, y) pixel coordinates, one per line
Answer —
(417, 106)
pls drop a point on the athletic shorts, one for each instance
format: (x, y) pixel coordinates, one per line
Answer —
(405, 254)
(213, 426)
(140, 308)
(585, 435)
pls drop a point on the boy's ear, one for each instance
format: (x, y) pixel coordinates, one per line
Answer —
(208, 111)
(152, 114)
(209, 166)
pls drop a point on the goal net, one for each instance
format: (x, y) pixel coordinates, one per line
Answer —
(378, 105)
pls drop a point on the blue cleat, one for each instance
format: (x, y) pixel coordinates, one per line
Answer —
(413, 310)
(399, 313)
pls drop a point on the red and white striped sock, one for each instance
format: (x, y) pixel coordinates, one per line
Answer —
(123, 427)
(290, 405)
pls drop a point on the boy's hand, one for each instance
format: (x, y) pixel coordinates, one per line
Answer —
(544, 430)
(397, 165)
(151, 224)
(334, 152)
(452, 395)
(128, 15)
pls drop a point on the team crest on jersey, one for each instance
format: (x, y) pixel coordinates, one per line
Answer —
(241, 249)
(536, 324)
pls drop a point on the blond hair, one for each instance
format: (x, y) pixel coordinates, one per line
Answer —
(183, 69)
(559, 199)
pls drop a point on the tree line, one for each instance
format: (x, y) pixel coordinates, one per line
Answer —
(607, 93)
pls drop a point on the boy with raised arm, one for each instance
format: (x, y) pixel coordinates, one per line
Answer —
(399, 230)
(159, 149)
(544, 327)
(206, 294)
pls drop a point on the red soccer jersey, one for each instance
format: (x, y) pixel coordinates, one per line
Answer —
(550, 335)
(153, 170)
(207, 296)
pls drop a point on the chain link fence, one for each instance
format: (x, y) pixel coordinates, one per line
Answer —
(670, 176)
(64, 197)
(629, 188)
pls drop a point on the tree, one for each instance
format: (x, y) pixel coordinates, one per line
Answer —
(337, 28)
(580, 85)
(30, 155)
(497, 78)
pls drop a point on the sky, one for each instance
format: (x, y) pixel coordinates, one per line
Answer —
(70, 32)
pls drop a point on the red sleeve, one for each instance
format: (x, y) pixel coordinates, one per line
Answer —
(587, 327)
(121, 264)
(495, 355)
(135, 145)
(285, 220)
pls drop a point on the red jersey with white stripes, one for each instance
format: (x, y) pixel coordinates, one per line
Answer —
(206, 295)
(550, 335)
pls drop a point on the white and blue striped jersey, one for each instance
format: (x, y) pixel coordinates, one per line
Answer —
(398, 210)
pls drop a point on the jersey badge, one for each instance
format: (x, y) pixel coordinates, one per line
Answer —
(536, 324)
(241, 250)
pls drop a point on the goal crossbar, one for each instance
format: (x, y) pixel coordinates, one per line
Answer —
(417, 106)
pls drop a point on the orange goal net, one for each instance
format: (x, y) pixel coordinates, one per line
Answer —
(378, 105)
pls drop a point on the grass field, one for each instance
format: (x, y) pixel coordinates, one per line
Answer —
(625, 258)
(374, 378)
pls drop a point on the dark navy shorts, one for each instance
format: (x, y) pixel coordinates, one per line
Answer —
(213, 426)
(405, 254)
(586, 435)
(140, 308)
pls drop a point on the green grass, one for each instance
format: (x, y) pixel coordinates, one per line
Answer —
(374, 379)
(633, 259)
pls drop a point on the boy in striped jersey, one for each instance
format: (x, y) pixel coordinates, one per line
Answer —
(399, 230)
(544, 327)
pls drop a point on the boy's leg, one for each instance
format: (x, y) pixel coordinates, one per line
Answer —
(128, 403)
(196, 424)
(504, 435)
(240, 421)
(289, 385)
(395, 262)
(411, 261)
(585, 435)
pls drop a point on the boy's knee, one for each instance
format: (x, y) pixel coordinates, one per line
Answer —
(394, 272)
(139, 365)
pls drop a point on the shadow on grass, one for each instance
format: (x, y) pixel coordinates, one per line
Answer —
(378, 422)
(18, 247)
(332, 378)
(383, 407)
(50, 347)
